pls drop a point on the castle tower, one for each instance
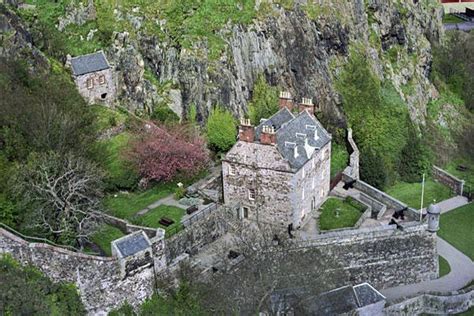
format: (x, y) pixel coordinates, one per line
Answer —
(434, 212)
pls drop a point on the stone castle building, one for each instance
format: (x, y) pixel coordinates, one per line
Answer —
(94, 78)
(279, 171)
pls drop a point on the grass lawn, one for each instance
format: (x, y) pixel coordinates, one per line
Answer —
(106, 118)
(152, 217)
(339, 158)
(449, 18)
(444, 267)
(104, 236)
(410, 193)
(125, 205)
(456, 228)
(348, 214)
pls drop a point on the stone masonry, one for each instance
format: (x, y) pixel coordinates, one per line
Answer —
(279, 171)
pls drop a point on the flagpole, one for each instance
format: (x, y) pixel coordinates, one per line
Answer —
(422, 194)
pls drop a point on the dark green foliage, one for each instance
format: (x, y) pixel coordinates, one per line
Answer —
(41, 113)
(221, 130)
(372, 169)
(414, 159)
(453, 65)
(26, 291)
(264, 101)
(377, 115)
(164, 114)
(125, 310)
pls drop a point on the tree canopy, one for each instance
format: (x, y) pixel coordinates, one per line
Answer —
(264, 101)
(221, 129)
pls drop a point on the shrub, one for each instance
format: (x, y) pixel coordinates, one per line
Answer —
(372, 169)
(26, 291)
(264, 101)
(221, 129)
(164, 114)
(162, 153)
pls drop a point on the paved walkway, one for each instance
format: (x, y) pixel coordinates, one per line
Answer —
(462, 267)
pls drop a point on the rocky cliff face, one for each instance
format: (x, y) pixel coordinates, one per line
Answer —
(299, 48)
(302, 55)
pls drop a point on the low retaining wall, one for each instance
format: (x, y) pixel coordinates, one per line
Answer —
(457, 185)
(366, 214)
(380, 196)
(451, 303)
(378, 209)
(125, 226)
(382, 256)
(353, 168)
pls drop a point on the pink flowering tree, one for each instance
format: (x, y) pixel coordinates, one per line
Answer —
(162, 153)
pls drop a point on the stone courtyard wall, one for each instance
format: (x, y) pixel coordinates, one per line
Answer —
(97, 278)
(449, 180)
(440, 304)
(197, 235)
(384, 257)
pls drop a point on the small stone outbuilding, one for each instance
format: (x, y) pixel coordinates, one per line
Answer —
(94, 78)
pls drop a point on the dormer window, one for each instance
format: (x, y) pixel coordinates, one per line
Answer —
(300, 135)
(290, 145)
(311, 127)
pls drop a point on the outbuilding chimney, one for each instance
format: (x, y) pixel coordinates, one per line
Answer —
(268, 135)
(307, 104)
(286, 100)
(246, 131)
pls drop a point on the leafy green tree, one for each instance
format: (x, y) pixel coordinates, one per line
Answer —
(192, 114)
(26, 291)
(414, 159)
(264, 101)
(221, 129)
(372, 169)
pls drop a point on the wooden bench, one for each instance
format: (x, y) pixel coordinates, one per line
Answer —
(191, 209)
(166, 221)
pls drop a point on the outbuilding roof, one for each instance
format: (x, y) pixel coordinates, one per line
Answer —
(85, 64)
(132, 243)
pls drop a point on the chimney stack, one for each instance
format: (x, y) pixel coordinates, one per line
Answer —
(268, 135)
(286, 100)
(306, 104)
(246, 131)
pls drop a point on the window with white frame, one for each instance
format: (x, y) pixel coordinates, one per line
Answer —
(90, 83)
(231, 170)
(101, 79)
(252, 194)
(302, 173)
(245, 212)
(313, 184)
(302, 194)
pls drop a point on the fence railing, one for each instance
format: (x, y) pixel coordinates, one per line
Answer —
(199, 214)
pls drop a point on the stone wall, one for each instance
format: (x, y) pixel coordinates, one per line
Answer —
(451, 303)
(380, 196)
(378, 209)
(99, 93)
(451, 181)
(353, 169)
(384, 257)
(97, 278)
(201, 233)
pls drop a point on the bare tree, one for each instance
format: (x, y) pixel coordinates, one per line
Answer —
(62, 194)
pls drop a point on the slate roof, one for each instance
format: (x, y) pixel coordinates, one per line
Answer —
(85, 64)
(298, 137)
(133, 243)
(345, 299)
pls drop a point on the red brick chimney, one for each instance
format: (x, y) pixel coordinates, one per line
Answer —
(246, 131)
(268, 135)
(306, 104)
(286, 100)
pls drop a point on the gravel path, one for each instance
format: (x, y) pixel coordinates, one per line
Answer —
(462, 267)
